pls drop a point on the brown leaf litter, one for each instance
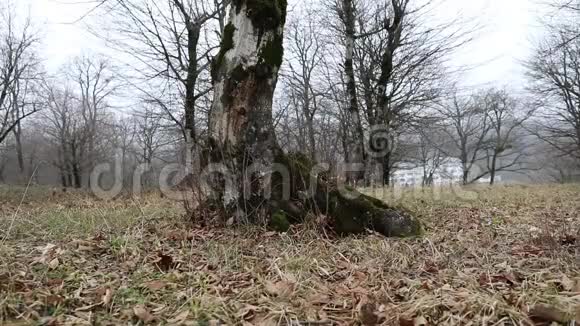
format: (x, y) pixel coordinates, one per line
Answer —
(508, 257)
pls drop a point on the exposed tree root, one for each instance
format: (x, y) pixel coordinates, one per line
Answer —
(350, 212)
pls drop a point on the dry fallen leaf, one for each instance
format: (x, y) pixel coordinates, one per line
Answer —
(367, 314)
(576, 288)
(108, 296)
(85, 248)
(56, 282)
(420, 321)
(546, 313)
(87, 308)
(155, 285)
(46, 250)
(143, 314)
(566, 283)
(404, 321)
(177, 235)
(158, 308)
(47, 321)
(248, 312)
(318, 299)
(54, 300)
(53, 263)
(180, 318)
(282, 289)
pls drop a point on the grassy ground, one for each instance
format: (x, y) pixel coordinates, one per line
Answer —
(489, 256)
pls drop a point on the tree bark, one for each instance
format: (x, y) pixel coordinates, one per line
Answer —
(465, 176)
(257, 182)
(19, 152)
(493, 168)
(386, 113)
(311, 138)
(355, 153)
(193, 32)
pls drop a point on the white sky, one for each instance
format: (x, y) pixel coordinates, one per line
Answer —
(505, 40)
(501, 44)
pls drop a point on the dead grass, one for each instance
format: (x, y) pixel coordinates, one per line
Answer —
(496, 256)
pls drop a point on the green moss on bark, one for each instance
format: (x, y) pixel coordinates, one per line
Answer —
(279, 221)
(351, 212)
(272, 53)
(299, 167)
(356, 215)
(265, 14)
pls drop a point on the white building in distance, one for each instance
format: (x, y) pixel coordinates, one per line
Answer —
(410, 175)
(448, 172)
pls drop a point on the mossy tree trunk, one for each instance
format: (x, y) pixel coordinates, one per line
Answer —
(245, 73)
(256, 182)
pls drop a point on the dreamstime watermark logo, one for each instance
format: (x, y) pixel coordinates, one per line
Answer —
(176, 181)
(381, 141)
(173, 180)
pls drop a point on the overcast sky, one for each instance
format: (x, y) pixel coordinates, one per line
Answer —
(508, 27)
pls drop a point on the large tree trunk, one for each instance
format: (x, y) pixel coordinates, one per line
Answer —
(2, 167)
(355, 153)
(245, 74)
(256, 182)
(19, 152)
(386, 166)
(465, 176)
(386, 113)
(493, 168)
(311, 138)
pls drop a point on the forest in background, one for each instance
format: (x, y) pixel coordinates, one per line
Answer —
(358, 84)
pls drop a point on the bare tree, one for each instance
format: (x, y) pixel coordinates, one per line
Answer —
(18, 64)
(564, 21)
(95, 84)
(506, 151)
(171, 43)
(561, 170)
(62, 125)
(3, 162)
(77, 117)
(304, 63)
(398, 62)
(150, 138)
(554, 72)
(467, 125)
(430, 144)
(345, 27)
(486, 132)
(383, 114)
(123, 140)
(24, 99)
(401, 63)
(572, 5)
(338, 99)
